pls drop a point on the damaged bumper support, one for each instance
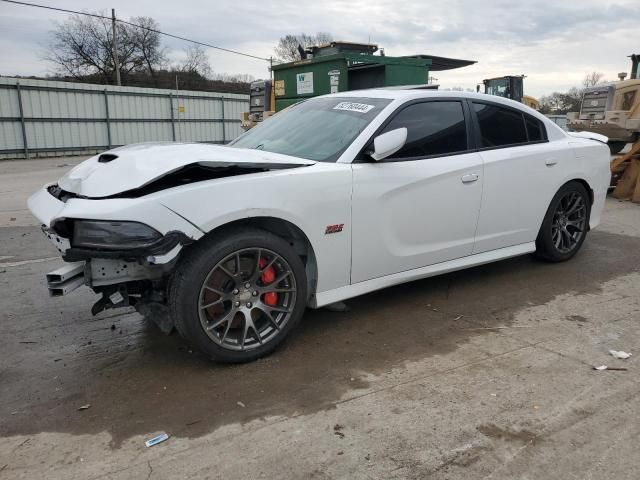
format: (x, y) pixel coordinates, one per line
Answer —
(65, 279)
(126, 261)
(123, 277)
(137, 283)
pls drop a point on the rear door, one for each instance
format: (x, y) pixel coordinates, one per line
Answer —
(420, 206)
(521, 171)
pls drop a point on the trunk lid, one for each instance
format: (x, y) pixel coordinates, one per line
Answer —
(589, 135)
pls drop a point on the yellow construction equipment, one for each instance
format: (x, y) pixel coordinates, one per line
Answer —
(612, 109)
(510, 86)
(625, 171)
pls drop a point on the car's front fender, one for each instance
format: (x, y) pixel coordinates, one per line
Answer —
(313, 198)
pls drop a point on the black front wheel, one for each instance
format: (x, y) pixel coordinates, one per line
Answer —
(237, 296)
(565, 224)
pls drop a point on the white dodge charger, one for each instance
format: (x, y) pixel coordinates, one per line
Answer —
(331, 198)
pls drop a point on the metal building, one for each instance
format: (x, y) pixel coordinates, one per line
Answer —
(43, 118)
(342, 66)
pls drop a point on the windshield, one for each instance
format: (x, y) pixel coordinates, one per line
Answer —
(319, 129)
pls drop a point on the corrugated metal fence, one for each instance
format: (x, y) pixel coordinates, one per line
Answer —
(41, 118)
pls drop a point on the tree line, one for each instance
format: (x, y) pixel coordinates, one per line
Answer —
(81, 49)
(560, 103)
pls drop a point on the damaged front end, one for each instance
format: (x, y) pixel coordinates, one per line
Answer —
(110, 218)
(127, 263)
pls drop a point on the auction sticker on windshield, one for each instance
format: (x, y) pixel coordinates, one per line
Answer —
(354, 107)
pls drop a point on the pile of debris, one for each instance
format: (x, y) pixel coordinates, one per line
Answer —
(625, 173)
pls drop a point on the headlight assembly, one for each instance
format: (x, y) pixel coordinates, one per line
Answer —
(112, 235)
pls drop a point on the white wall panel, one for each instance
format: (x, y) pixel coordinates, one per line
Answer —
(74, 116)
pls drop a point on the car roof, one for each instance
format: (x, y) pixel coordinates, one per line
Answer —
(409, 94)
(413, 93)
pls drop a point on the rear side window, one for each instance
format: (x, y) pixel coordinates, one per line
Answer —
(499, 126)
(433, 128)
(535, 129)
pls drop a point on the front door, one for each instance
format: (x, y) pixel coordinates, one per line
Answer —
(421, 205)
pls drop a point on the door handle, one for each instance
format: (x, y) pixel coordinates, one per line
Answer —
(470, 177)
(550, 162)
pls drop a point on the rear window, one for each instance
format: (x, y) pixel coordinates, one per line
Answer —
(535, 129)
(499, 126)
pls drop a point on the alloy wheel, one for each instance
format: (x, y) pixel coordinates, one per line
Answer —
(247, 298)
(569, 222)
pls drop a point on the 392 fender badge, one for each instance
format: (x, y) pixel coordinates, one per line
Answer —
(337, 228)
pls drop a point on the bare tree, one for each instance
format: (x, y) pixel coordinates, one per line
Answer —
(196, 62)
(147, 42)
(562, 102)
(287, 48)
(592, 79)
(82, 46)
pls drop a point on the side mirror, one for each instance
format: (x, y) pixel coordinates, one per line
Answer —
(388, 143)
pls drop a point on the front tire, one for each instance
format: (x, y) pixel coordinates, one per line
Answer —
(238, 295)
(565, 224)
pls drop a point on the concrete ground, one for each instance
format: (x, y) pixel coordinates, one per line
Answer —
(484, 373)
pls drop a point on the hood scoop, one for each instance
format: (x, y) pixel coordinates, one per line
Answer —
(107, 157)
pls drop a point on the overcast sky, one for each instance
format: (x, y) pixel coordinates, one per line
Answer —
(553, 42)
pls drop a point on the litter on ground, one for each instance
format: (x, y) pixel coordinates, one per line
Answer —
(156, 440)
(619, 354)
(604, 367)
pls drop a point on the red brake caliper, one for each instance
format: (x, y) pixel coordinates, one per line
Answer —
(268, 276)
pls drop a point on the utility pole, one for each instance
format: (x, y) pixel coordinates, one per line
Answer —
(116, 62)
(178, 104)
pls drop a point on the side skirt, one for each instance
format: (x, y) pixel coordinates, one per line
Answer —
(337, 294)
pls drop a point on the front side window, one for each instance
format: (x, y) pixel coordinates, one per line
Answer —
(499, 126)
(318, 129)
(433, 128)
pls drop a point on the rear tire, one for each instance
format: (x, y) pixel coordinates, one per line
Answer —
(239, 294)
(565, 224)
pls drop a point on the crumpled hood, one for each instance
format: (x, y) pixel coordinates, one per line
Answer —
(133, 166)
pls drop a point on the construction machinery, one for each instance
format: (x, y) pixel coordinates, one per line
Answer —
(612, 109)
(625, 174)
(509, 86)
